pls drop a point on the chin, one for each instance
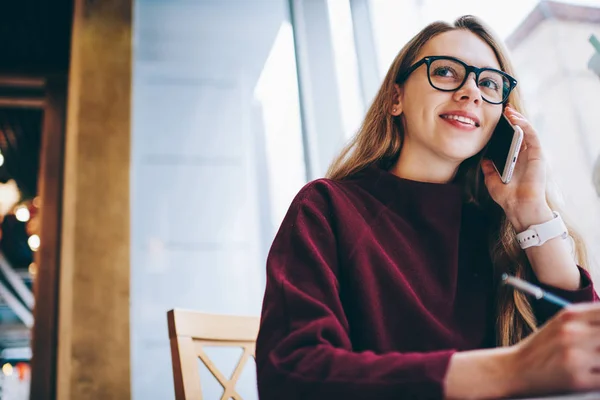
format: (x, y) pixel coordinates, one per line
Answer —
(458, 154)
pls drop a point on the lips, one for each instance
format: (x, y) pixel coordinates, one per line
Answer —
(462, 117)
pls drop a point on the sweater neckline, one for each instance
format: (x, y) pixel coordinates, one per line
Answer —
(383, 176)
(406, 196)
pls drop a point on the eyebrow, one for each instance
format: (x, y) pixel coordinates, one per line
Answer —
(466, 62)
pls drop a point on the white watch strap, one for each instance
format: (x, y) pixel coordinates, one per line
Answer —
(537, 235)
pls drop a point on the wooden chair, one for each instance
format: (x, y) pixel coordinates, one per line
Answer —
(189, 331)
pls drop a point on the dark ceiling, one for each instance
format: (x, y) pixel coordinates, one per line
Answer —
(34, 36)
(20, 134)
(34, 43)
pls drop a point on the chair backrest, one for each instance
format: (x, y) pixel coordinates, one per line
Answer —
(189, 331)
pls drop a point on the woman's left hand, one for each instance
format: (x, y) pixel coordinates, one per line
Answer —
(523, 199)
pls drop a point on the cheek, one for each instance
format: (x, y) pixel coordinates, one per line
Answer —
(485, 137)
(487, 134)
(430, 105)
(420, 99)
(493, 117)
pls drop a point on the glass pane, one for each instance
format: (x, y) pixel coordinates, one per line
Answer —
(346, 65)
(276, 98)
(217, 156)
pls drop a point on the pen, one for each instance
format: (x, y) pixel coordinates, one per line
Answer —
(533, 290)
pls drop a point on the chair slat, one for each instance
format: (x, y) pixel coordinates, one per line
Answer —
(186, 375)
(189, 331)
(213, 327)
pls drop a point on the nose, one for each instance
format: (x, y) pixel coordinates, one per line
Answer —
(469, 91)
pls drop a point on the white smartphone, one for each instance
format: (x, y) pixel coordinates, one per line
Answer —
(503, 148)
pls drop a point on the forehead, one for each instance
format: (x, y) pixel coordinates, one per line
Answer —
(463, 45)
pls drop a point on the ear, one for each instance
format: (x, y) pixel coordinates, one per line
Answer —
(397, 104)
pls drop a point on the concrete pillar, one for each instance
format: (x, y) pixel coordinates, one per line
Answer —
(93, 342)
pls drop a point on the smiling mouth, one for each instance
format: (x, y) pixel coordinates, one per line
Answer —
(464, 120)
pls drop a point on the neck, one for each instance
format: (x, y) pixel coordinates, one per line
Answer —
(423, 167)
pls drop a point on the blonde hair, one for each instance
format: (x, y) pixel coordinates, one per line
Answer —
(379, 141)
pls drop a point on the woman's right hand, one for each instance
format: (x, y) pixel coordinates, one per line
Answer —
(563, 355)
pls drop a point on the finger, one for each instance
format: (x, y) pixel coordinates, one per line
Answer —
(513, 110)
(590, 381)
(489, 171)
(579, 335)
(589, 312)
(592, 378)
(591, 341)
(487, 168)
(490, 177)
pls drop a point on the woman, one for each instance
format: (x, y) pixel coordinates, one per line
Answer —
(383, 279)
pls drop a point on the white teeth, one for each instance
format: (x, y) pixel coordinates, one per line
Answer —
(460, 118)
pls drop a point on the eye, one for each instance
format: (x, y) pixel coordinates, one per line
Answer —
(445, 72)
(489, 84)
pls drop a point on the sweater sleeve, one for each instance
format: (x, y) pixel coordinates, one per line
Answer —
(544, 310)
(304, 350)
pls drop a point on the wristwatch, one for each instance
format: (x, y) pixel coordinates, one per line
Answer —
(537, 235)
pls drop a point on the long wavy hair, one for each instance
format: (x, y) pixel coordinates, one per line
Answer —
(379, 141)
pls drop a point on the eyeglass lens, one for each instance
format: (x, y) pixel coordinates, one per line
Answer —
(449, 75)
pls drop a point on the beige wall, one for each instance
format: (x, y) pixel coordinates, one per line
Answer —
(563, 100)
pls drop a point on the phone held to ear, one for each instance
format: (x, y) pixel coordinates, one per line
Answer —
(503, 148)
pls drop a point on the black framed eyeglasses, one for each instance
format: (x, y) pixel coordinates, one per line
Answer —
(448, 74)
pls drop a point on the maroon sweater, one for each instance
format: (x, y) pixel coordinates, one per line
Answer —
(372, 284)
